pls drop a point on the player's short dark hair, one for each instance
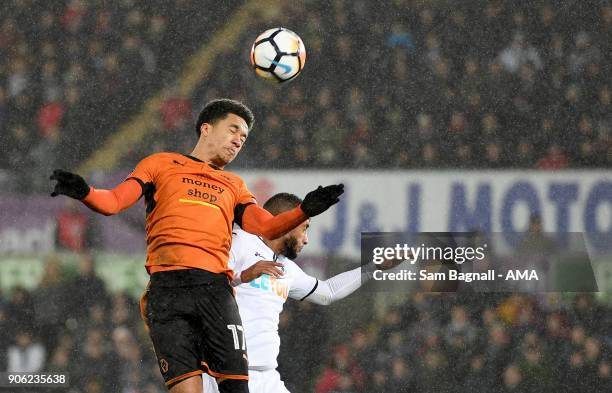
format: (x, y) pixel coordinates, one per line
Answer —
(281, 202)
(219, 109)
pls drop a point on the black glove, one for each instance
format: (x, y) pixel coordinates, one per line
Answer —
(319, 200)
(69, 184)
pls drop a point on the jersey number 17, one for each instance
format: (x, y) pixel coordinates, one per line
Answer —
(235, 329)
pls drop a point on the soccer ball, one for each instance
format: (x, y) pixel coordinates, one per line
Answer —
(278, 55)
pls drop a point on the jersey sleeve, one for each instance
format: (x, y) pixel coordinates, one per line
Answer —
(245, 197)
(109, 202)
(337, 287)
(303, 284)
(259, 221)
(126, 194)
(146, 171)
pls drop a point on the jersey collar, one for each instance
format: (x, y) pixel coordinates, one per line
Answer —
(210, 164)
(275, 255)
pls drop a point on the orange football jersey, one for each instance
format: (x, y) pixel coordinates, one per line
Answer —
(190, 211)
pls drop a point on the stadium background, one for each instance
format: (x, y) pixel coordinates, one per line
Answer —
(438, 102)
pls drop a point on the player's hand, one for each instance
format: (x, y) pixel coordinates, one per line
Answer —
(321, 199)
(387, 264)
(259, 268)
(69, 184)
(391, 263)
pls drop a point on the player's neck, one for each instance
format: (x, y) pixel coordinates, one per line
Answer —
(200, 153)
(275, 245)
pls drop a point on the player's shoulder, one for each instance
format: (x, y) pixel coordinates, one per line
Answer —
(288, 263)
(246, 247)
(233, 178)
(240, 236)
(239, 187)
(163, 158)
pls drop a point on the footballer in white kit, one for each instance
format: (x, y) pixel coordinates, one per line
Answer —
(265, 278)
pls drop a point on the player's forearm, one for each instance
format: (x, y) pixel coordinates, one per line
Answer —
(338, 287)
(109, 202)
(259, 221)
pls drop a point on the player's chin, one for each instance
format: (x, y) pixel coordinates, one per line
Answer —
(296, 251)
(230, 156)
(226, 159)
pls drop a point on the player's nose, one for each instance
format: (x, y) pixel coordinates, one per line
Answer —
(237, 143)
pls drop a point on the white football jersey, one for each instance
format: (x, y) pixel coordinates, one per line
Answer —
(261, 301)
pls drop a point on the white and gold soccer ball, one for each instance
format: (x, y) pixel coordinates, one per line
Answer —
(278, 55)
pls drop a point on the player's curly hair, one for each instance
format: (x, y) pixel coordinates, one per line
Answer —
(281, 202)
(219, 109)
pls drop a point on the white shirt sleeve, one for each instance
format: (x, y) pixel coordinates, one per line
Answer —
(303, 284)
(338, 287)
(306, 287)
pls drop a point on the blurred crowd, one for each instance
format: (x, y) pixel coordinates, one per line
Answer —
(485, 84)
(434, 342)
(481, 84)
(71, 324)
(71, 71)
(478, 343)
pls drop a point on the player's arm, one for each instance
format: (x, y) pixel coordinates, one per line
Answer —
(259, 221)
(335, 288)
(256, 270)
(107, 202)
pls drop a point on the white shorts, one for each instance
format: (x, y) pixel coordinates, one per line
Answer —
(259, 382)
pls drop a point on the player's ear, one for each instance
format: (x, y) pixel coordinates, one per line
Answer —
(204, 129)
